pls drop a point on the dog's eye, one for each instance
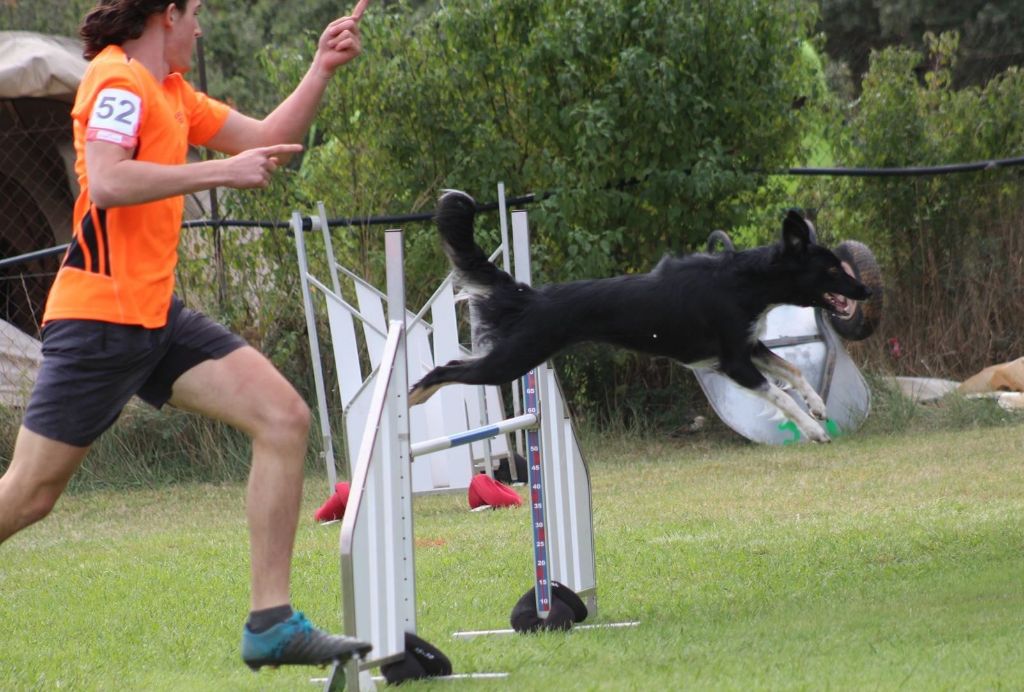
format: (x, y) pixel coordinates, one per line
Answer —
(833, 271)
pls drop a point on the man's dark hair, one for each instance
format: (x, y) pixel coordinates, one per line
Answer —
(112, 22)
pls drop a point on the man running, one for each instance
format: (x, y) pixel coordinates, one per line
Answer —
(113, 327)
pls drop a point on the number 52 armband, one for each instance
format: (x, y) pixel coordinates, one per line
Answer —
(115, 118)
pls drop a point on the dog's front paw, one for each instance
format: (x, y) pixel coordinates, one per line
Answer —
(816, 433)
(816, 407)
(821, 437)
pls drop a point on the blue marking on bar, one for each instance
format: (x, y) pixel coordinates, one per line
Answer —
(474, 435)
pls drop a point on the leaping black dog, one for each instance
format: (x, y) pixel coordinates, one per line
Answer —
(703, 310)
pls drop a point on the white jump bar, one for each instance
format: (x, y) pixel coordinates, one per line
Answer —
(527, 420)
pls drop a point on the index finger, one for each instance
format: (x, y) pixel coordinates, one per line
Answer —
(360, 7)
(275, 149)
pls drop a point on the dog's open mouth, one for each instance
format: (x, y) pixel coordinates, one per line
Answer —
(840, 305)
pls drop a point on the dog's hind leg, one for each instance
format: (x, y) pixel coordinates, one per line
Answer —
(419, 393)
(433, 381)
(504, 363)
(472, 371)
(782, 369)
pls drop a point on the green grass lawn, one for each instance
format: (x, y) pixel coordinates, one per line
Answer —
(880, 561)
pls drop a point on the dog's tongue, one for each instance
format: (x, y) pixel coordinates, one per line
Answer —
(840, 304)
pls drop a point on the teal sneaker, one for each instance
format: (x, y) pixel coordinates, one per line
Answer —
(296, 642)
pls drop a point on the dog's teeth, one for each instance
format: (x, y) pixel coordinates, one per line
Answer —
(839, 304)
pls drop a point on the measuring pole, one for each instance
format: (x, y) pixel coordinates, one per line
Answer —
(534, 453)
(535, 477)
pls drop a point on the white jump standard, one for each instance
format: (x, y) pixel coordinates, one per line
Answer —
(377, 560)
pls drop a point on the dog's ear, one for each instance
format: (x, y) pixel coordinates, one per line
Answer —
(796, 234)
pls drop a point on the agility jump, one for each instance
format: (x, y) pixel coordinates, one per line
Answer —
(377, 557)
(358, 329)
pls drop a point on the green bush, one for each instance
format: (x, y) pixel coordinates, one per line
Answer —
(949, 244)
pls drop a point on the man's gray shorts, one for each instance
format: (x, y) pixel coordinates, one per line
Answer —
(91, 369)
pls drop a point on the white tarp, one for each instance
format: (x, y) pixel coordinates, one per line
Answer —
(39, 66)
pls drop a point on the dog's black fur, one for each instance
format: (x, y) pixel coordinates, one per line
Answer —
(701, 309)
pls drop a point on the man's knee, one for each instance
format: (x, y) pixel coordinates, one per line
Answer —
(23, 506)
(40, 505)
(289, 415)
(297, 415)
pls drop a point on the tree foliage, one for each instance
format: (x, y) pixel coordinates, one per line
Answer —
(992, 33)
(646, 118)
(905, 120)
(61, 17)
(950, 244)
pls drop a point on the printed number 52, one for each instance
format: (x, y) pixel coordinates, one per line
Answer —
(105, 110)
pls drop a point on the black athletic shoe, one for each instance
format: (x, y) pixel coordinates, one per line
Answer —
(297, 642)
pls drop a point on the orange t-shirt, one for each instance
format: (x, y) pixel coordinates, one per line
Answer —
(120, 264)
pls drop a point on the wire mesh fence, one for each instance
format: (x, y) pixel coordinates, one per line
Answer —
(36, 196)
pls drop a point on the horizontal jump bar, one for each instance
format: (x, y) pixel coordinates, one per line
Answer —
(527, 420)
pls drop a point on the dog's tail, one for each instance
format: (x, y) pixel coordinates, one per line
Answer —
(454, 217)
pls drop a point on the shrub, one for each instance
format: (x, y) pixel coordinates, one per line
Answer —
(949, 244)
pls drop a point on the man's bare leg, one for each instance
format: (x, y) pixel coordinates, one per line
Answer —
(37, 475)
(244, 390)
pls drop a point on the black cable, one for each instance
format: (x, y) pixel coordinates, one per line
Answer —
(906, 172)
(307, 223)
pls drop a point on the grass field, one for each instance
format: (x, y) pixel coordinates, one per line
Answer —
(881, 561)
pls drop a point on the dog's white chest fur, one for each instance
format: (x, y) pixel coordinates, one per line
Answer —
(760, 326)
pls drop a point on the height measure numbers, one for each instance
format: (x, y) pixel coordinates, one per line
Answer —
(535, 477)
